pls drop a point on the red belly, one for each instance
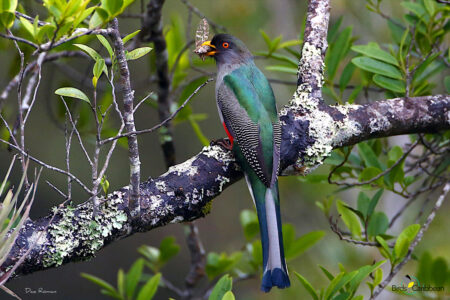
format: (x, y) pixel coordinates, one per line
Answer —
(228, 133)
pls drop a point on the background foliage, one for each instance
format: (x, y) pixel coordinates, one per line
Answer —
(377, 50)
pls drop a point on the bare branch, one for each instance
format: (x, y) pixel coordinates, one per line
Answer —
(310, 131)
(170, 118)
(128, 117)
(19, 39)
(25, 154)
(216, 27)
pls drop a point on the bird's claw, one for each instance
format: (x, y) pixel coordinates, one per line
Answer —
(223, 142)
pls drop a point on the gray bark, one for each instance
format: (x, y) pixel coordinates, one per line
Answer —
(310, 131)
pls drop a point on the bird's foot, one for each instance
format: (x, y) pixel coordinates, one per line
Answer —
(223, 142)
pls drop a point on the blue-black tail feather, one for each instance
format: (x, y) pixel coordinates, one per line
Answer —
(268, 210)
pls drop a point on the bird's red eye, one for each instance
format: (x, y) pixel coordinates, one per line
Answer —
(225, 45)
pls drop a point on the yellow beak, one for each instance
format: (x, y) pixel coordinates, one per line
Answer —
(212, 52)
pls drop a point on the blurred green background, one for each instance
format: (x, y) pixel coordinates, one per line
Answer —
(220, 230)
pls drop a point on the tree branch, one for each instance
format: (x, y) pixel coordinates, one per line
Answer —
(152, 31)
(128, 116)
(310, 130)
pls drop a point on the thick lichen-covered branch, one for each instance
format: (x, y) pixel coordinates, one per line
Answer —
(185, 191)
(310, 131)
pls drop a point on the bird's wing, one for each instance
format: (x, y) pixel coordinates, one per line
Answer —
(243, 100)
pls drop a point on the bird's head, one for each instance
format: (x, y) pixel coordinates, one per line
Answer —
(227, 49)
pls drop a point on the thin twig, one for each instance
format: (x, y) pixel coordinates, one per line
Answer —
(57, 190)
(19, 39)
(413, 245)
(47, 165)
(40, 23)
(376, 177)
(77, 133)
(173, 115)
(334, 227)
(216, 27)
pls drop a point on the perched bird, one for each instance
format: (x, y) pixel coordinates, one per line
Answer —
(247, 109)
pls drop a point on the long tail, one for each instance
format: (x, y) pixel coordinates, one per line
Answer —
(268, 208)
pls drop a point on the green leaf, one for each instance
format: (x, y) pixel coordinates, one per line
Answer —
(429, 5)
(375, 52)
(228, 296)
(374, 202)
(45, 31)
(8, 5)
(130, 36)
(112, 6)
(397, 86)
(266, 38)
(133, 277)
(338, 282)
(363, 203)
(91, 52)
(327, 273)
(346, 76)
(168, 249)
(152, 254)
(369, 173)
(378, 277)
(217, 264)
(81, 17)
(303, 243)
(350, 219)
(256, 252)
(284, 69)
(384, 247)
(362, 273)
(447, 83)
(369, 157)
(105, 44)
(7, 19)
(249, 222)
(415, 8)
(355, 93)
(72, 92)
(289, 44)
(425, 267)
(378, 224)
(193, 118)
(333, 30)
(121, 282)
(100, 282)
(422, 66)
(224, 285)
(314, 178)
(342, 296)
(377, 67)
(439, 271)
(28, 26)
(307, 286)
(149, 289)
(137, 53)
(404, 240)
(98, 67)
(98, 18)
(104, 184)
(395, 153)
(274, 44)
(337, 51)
